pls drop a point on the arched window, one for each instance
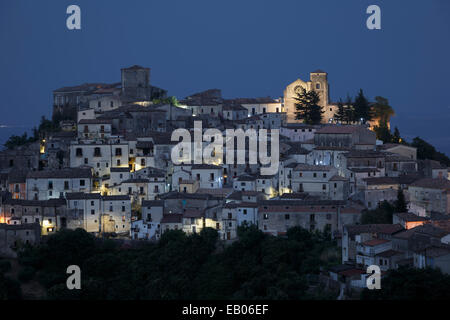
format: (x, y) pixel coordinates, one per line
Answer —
(317, 85)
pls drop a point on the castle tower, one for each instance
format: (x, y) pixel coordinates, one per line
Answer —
(136, 82)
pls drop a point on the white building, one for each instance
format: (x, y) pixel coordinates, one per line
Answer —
(44, 185)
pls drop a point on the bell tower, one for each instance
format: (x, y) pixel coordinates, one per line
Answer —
(319, 83)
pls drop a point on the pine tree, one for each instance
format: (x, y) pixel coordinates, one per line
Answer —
(400, 203)
(339, 116)
(396, 137)
(349, 110)
(362, 108)
(308, 108)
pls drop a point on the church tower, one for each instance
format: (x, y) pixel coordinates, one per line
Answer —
(319, 83)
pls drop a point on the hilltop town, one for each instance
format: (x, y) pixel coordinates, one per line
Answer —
(105, 165)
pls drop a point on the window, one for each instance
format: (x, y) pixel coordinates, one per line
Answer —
(245, 211)
(324, 187)
(50, 185)
(82, 183)
(198, 176)
(123, 208)
(66, 185)
(328, 216)
(118, 162)
(265, 216)
(92, 211)
(230, 216)
(118, 152)
(287, 217)
(79, 152)
(317, 85)
(97, 152)
(315, 175)
(324, 175)
(110, 208)
(143, 162)
(92, 203)
(211, 176)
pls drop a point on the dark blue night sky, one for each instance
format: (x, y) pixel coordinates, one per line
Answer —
(246, 48)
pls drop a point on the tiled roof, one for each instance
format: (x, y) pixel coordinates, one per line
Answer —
(192, 213)
(409, 216)
(374, 228)
(205, 166)
(308, 167)
(381, 180)
(339, 129)
(152, 203)
(116, 198)
(375, 242)
(36, 203)
(338, 178)
(172, 218)
(82, 195)
(95, 121)
(389, 253)
(364, 154)
(120, 169)
(61, 174)
(431, 183)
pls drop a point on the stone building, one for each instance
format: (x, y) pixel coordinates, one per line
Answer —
(134, 88)
(431, 194)
(12, 236)
(319, 83)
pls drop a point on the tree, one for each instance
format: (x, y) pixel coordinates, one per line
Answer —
(362, 108)
(382, 214)
(307, 107)
(339, 116)
(396, 136)
(383, 133)
(170, 100)
(381, 110)
(406, 283)
(400, 203)
(427, 151)
(349, 110)
(45, 128)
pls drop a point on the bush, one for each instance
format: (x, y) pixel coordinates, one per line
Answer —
(26, 274)
(5, 266)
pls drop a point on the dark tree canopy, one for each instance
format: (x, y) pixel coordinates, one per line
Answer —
(307, 107)
(180, 266)
(427, 151)
(400, 203)
(362, 107)
(411, 284)
(382, 214)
